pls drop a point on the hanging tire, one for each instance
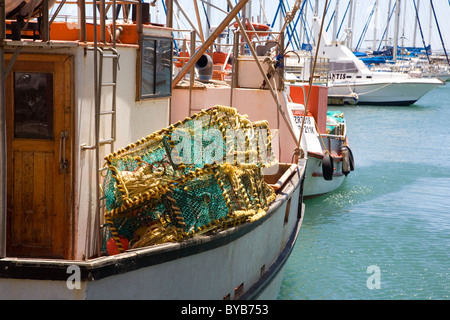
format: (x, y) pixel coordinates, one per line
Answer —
(346, 162)
(351, 159)
(327, 167)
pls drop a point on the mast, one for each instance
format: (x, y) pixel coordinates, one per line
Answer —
(397, 20)
(353, 23)
(415, 24)
(375, 26)
(387, 23)
(349, 30)
(335, 22)
(439, 31)
(169, 15)
(403, 28)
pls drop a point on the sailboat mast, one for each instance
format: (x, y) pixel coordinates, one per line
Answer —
(397, 25)
(387, 23)
(375, 26)
(350, 27)
(335, 22)
(415, 25)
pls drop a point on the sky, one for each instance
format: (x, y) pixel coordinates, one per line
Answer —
(265, 10)
(362, 12)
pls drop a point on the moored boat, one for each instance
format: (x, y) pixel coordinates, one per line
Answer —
(330, 158)
(349, 76)
(71, 110)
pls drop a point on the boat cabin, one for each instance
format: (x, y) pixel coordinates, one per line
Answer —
(74, 91)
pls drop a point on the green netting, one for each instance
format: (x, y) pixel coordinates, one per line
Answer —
(335, 122)
(186, 180)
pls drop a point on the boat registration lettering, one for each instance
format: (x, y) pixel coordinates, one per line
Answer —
(308, 126)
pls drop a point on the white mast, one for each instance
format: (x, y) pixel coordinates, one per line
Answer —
(387, 23)
(375, 27)
(416, 23)
(350, 27)
(397, 20)
(335, 22)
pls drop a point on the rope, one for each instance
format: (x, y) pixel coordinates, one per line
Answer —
(311, 79)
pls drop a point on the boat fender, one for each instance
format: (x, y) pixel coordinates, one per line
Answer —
(345, 160)
(327, 167)
(352, 161)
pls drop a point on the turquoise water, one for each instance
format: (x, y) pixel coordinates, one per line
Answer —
(391, 215)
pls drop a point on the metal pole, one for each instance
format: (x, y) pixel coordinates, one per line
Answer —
(335, 21)
(350, 27)
(397, 20)
(208, 42)
(374, 45)
(199, 22)
(187, 17)
(266, 79)
(439, 31)
(416, 22)
(169, 15)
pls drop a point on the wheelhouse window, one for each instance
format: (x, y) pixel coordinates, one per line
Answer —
(33, 105)
(156, 68)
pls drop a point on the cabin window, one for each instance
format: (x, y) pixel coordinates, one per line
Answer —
(33, 105)
(156, 68)
(343, 67)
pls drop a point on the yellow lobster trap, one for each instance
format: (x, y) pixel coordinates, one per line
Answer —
(198, 175)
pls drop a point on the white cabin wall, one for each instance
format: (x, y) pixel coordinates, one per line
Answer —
(135, 119)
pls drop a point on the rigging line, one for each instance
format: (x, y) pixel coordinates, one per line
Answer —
(311, 76)
(331, 20)
(307, 29)
(342, 22)
(291, 32)
(174, 41)
(421, 32)
(363, 34)
(295, 25)
(439, 30)
(276, 15)
(206, 15)
(385, 29)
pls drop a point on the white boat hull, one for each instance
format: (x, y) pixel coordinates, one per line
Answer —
(406, 92)
(243, 262)
(315, 184)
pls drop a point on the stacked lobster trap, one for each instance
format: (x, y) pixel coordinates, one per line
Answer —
(199, 175)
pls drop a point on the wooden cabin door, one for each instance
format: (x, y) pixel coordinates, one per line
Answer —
(38, 158)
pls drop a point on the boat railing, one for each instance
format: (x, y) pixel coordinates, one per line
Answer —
(303, 66)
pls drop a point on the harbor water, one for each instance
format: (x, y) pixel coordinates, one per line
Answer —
(385, 233)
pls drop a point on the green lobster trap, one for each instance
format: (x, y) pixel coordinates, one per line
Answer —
(198, 175)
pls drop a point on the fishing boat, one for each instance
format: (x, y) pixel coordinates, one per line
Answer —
(330, 158)
(91, 210)
(350, 76)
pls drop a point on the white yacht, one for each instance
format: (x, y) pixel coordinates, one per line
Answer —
(349, 76)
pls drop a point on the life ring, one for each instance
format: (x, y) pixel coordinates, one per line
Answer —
(256, 27)
(327, 167)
